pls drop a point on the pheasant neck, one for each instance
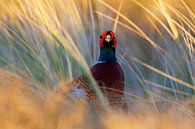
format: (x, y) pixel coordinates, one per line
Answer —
(107, 54)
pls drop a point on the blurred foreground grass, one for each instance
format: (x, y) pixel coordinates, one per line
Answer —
(45, 43)
(21, 108)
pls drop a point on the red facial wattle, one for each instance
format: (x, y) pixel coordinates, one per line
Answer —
(104, 34)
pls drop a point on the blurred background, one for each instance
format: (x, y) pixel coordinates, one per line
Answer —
(48, 43)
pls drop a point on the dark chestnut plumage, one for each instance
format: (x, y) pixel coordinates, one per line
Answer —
(107, 72)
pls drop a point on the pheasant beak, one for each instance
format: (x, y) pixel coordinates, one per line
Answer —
(108, 38)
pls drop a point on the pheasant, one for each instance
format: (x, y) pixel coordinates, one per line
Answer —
(107, 73)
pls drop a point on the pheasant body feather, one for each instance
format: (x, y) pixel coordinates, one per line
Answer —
(82, 84)
(107, 73)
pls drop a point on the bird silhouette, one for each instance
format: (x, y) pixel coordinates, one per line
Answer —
(107, 73)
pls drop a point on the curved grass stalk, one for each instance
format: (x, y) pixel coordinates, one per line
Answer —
(117, 16)
(178, 105)
(189, 10)
(84, 66)
(93, 32)
(166, 88)
(119, 23)
(187, 22)
(154, 16)
(184, 30)
(140, 32)
(164, 74)
(135, 26)
(168, 18)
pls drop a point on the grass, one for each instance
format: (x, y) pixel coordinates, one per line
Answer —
(45, 44)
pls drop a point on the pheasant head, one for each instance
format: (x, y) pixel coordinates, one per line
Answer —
(108, 46)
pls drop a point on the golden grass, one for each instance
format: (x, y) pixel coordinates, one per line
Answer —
(21, 108)
(74, 26)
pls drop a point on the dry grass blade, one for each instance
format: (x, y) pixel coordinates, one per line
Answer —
(45, 44)
(164, 74)
(117, 16)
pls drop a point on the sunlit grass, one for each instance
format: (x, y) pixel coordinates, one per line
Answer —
(45, 44)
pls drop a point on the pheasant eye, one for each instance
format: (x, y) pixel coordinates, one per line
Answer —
(101, 37)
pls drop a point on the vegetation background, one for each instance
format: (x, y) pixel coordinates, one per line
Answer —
(44, 44)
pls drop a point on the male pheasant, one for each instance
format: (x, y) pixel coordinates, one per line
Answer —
(107, 73)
